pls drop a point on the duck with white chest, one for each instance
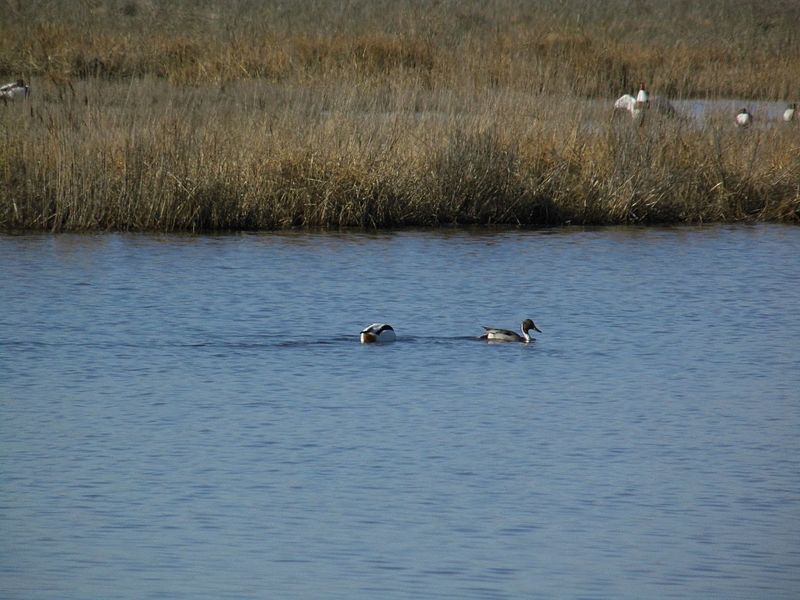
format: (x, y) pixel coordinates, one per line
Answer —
(642, 98)
(744, 118)
(494, 334)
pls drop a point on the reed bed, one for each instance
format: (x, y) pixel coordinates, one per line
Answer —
(379, 114)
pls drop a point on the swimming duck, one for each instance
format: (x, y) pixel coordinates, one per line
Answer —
(506, 335)
(744, 118)
(18, 89)
(788, 114)
(378, 332)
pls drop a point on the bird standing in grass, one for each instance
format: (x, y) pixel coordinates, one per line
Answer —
(744, 118)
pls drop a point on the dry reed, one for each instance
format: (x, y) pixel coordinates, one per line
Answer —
(388, 114)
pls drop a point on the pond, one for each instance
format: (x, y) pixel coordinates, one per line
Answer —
(194, 416)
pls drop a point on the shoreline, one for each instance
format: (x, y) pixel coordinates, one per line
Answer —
(446, 230)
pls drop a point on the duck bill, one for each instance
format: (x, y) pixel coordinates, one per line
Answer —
(535, 328)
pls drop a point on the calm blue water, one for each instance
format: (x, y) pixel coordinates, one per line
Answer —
(193, 417)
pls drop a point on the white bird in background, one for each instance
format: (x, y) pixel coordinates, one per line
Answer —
(636, 105)
(628, 103)
(642, 98)
(788, 114)
(744, 118)
(378, 333)
(17, 89)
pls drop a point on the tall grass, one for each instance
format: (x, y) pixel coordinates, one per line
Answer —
(567, 47)
(183, 116)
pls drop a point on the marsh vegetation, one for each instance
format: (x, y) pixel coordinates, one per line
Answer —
(186, 115)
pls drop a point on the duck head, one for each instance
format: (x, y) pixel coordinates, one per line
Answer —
(528, 324)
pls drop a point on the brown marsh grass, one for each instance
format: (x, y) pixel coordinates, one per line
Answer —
(382, 114)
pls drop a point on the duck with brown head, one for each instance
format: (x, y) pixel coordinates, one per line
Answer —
(493, 334)
(642, 98)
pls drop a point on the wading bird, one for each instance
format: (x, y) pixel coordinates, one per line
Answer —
(378, 333)
(493, 334)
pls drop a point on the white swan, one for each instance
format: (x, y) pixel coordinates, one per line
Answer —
(744, 118)
(17, 89)
(378, 332)
(506, 335)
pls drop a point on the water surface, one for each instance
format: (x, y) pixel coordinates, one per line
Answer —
(193, 417)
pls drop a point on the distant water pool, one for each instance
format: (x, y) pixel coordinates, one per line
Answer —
(193, 417)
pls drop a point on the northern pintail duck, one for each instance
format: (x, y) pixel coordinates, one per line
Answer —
(744, 118)
(788, 114)
(378, 332)
(506, 335)
(17, 89)
(642, 98)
